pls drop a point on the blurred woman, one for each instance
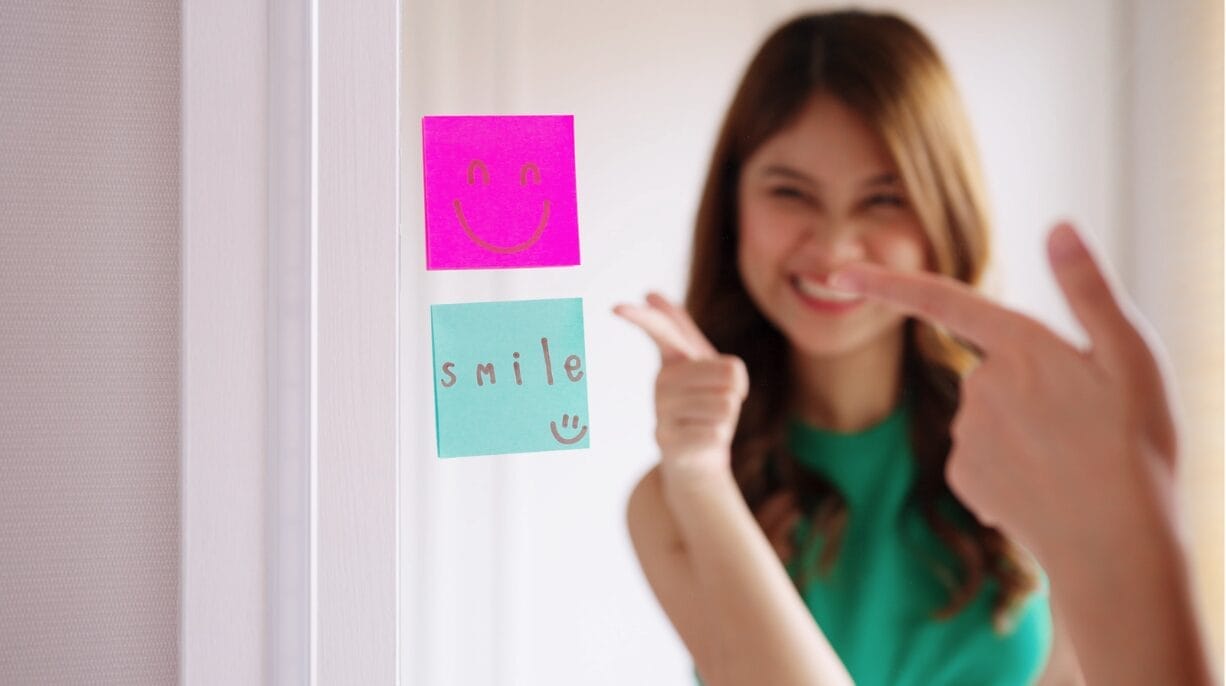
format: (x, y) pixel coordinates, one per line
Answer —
(804, 431)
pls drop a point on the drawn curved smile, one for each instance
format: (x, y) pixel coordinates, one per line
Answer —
(553, 426)
(528, 173)
(518, 247)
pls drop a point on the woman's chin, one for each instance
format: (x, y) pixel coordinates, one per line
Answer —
(823, 344)
(832, 342)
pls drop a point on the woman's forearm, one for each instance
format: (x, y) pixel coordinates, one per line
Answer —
(750, 624)
(1132, 613)
(767, 633)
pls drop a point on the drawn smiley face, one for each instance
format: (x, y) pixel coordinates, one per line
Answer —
(499, 192)
(529, 172)
(553, 427)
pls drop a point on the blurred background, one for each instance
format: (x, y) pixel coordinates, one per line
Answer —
(518, 569)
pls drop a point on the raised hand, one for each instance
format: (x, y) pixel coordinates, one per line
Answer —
(698, 392)
(1072, 452)
(1058, 445)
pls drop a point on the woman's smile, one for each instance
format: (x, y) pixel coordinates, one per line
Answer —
(815, 294)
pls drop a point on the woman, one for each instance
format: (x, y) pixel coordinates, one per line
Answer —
(804, 430)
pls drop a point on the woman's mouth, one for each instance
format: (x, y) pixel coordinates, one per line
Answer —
(816, 295)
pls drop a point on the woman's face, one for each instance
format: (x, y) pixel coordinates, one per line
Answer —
(817, 195)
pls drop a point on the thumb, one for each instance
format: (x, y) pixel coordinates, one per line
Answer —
(1091, 295)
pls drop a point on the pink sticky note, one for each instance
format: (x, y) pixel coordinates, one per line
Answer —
(500, 192)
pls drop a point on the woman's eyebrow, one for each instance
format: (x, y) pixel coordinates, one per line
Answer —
(788, 172)
(883, 179)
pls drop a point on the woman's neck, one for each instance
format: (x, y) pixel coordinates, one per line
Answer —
(850, 392)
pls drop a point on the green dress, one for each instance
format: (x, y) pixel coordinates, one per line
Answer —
(875, 605)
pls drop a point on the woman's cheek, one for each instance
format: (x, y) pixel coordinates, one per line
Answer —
(762, 242)
(779, 233)
(755, 265)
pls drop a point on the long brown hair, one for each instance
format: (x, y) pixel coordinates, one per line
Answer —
(887, 71)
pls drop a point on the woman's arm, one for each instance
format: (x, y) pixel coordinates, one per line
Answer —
(726, 590)
(668, 569)
(1132, 596)
(723, 587)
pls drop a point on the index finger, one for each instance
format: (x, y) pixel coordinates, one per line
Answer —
(938, 299)
(684, 322)
(661, 329)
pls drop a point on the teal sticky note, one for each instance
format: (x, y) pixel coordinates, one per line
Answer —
(509, 377)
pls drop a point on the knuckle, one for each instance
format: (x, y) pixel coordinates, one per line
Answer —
(662, 394)
(733, 371)
(1022, 330)
(957, 430)
(672, 376)
(707, 433)
(664, 378)
(991, 378)
(971, 382)
(971, 392)
(730, 404)
(676, 370)
(954, 477)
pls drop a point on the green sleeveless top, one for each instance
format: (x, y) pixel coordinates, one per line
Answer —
(875, 603)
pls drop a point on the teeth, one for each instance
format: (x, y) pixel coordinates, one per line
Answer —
(815, 289)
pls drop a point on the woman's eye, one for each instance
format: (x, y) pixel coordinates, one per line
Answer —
(788, 192)
(887, 200)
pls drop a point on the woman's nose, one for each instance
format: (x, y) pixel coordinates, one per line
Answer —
(836, 240)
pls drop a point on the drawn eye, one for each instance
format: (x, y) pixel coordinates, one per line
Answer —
(485, 173)
(525, 170)
(557, 435)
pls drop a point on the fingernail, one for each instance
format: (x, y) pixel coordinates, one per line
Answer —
(845, 282)
(1064, 244)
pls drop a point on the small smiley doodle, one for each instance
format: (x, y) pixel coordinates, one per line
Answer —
(553, 427)
(500, 191)
(504, 373)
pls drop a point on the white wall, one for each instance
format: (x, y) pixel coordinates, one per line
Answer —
(1174, 260)
(517, 569)
(89, 342)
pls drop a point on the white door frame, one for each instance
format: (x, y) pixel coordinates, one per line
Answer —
(290, 197)
(359, 215)
(224, 199)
